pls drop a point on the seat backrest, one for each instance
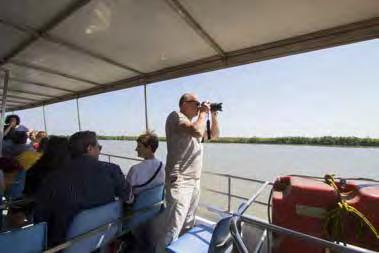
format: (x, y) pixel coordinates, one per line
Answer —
(28, 239)
(149, 197)
(90, 219)
(146, 205)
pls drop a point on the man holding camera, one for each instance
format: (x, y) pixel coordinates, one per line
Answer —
(185, 160)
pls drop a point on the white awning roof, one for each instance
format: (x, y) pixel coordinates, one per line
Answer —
(64, 49)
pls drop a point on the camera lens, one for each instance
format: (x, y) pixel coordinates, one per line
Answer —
(216, 107)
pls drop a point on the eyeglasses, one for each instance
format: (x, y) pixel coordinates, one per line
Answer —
(98, 146)
(193, 101)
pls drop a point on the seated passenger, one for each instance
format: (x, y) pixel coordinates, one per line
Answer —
(16, 144)
(37, 138)
(12, 124)
(56, 154)
(82, 183)
(42, 145)
(149, 172)
(29, 157)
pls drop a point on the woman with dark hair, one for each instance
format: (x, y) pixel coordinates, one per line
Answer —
(55, 155)
(12, 123)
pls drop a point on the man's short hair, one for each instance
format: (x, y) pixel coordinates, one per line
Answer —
(9, 117)
(149, 139)
(184, 98)
(41, 134)
(79, 142)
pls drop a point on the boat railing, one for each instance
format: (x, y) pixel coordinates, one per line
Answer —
(229, 194)
(267, 227)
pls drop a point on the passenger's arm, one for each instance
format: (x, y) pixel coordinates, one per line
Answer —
(11, 125)
(122, 186)
(215, 131)
(129, 181)
(195, 129)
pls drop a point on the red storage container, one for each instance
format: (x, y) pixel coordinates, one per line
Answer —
(301, 204)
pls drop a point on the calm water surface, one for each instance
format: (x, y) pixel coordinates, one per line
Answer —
(269, 161)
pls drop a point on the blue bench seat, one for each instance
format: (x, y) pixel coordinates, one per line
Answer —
(195, 240)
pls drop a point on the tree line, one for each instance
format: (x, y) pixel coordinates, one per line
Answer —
(321, 141)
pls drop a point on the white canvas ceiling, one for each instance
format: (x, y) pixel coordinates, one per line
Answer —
(63, 49)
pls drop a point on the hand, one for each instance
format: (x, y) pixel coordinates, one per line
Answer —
(205, 107)
(214, 113)
(13, 123)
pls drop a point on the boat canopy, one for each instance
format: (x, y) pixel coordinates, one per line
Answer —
(52, 51)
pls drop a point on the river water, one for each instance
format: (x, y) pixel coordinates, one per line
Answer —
(269, 161)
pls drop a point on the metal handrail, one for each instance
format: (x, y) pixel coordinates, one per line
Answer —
(236, 177)
(235, 196)
(247, 204)
(122, 157)
(228, 176)
(301, 236)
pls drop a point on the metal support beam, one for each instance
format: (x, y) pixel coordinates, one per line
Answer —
(146, 114)
(44, 118)
(186, 16)
(22, 98)
(3, 109)
(19, 80)
(66, 44)
(14, 101)
(30, 92)
(69, 10)
(78, 113)
(53, 72)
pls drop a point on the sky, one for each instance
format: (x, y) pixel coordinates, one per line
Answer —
(330, 92)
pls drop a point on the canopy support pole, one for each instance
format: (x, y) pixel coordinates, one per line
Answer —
(44, 118)
(78, 113)
(3, 108)
(145, 98)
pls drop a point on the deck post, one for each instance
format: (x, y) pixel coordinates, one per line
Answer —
(229, 193)
(44, 118)
(146, 116)
(3, 109)
(78, 113)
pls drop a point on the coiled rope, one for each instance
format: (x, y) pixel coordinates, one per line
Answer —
(333, 226)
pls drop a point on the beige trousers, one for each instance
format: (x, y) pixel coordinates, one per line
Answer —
(182, 198)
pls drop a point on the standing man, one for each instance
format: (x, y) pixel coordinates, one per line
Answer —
(184, 131)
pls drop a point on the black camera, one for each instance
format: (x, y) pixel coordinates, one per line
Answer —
(216, 107)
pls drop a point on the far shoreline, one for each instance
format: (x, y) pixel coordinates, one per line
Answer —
(324, 141)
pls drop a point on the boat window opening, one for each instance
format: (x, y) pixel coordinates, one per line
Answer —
(92, 65)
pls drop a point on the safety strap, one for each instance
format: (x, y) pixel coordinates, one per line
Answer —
(151, 179)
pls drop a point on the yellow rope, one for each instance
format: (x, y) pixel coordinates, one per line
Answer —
(333, 222)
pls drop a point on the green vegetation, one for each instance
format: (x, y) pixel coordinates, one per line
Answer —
(320, 141)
